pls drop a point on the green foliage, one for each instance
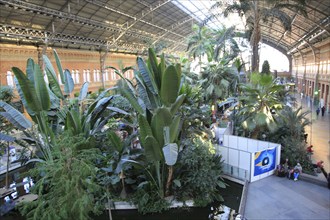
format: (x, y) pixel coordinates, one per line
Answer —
(195, 114)
(66, 186)
(148, 200)
(6, 94)
(257, 99)
(290, 134)
(265, 67)
(199, 172)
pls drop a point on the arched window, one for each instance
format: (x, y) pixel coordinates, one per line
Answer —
(94, 76)
(98, 79)
(88, 76)
(73, 76)
(113, 74)
(85, 75)
(106, 75)
(10, 79)
(77, 76)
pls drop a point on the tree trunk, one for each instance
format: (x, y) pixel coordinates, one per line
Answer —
(169, 181)
(7, 172)
(255, 58)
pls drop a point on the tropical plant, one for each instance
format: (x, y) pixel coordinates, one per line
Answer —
(200, 43)
(259, 12)
(218, 81)
(17, 120)
(265, 67)
(6, 94)
(42, 101)
(66, 186)
(199, 173)
(290, 134)
(156, 100)
(194, 112)
(225, 43)
(259, 99)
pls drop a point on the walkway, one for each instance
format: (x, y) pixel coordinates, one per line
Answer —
(318, 133)
(283, 199)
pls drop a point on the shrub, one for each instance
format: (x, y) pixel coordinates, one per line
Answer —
(199, 171)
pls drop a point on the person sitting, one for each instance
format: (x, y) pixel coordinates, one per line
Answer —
(286, 167)
(297, 171)
(318, 166)
(309, 149)
(280, 171)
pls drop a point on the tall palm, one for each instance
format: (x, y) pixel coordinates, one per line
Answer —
(218, 80)
(258, 12)
(258, 99)
(225, 43)
(293, 122)
(199, 43)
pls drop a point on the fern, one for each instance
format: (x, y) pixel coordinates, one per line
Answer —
(66, 186)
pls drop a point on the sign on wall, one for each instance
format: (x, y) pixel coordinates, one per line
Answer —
(264, 161)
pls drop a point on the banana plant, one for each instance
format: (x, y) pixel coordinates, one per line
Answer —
(156, 99)
(18, 120)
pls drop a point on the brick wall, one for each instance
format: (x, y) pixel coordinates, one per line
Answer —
(79, 63)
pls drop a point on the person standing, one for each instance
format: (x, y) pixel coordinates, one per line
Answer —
(317, 112)
(323, 110)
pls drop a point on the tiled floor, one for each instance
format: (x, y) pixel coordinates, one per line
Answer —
(283, 199)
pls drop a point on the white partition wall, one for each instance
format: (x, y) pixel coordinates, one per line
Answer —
(259, 158)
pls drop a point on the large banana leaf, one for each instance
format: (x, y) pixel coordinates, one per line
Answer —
(170, 85)
(161, 119)
(142, 91)
(41, 88)
(154, 67)
(147, 76)
(4, 137)
(132, 100)
(152, 152)
(100, 108)
(171, 153)
(51, 74)
(145, 129)
(176, 105)
(14, 116)
(175, 129)
(73, 122)
(21, 95)
(53, 84)
(30, 69)
(59, 67)
(69, 84)
(83, 91)
(28, 90)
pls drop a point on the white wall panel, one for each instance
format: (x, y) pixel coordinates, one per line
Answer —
(233, 141)
(243, 143)
(233, 157)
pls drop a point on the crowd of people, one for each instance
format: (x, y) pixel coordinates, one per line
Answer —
(293, 172)
(286, 170)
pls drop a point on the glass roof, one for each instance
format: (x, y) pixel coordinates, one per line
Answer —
(201, 9)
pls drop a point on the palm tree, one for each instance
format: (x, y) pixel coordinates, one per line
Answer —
(218, 80)
(258, 12)
(259, 98)
(225, 44)
(293, 123)
(199, 43)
